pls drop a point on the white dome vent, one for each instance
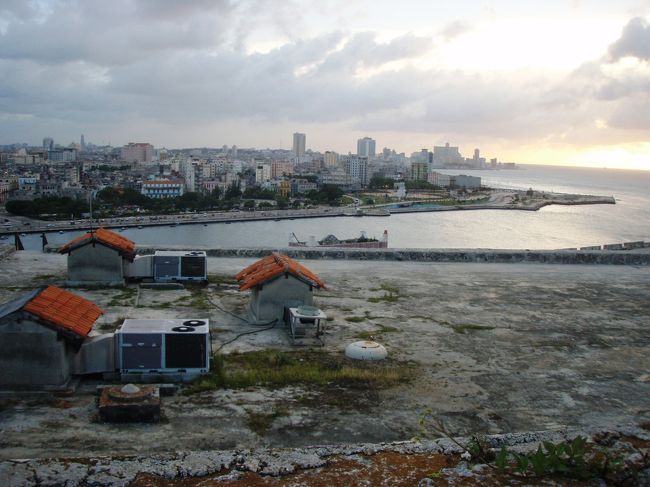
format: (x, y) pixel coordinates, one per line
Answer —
(366, 350)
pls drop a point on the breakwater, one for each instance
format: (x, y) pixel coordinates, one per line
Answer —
(639, 257)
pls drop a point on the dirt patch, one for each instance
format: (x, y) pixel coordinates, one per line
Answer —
(382, 469)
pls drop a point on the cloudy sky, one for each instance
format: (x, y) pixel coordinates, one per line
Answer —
(559, 81)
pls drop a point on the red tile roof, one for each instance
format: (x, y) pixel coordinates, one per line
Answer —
(273, 266)
(111, 239)
(64, 309)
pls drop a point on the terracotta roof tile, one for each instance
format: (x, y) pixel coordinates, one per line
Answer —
(273, 266)
(64, 309)
(111, 239)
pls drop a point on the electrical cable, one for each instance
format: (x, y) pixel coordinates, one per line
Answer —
(222, 309)
(246, 333)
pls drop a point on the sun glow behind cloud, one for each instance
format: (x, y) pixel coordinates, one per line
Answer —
(624, 156)
(521, 82)
(555, 44)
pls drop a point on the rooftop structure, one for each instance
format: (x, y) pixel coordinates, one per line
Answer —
(99, 256)
(277, 283)
(106, 237)
(31, 328)
(272, 267)
(63, 309)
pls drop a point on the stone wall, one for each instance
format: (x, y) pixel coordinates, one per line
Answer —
(603, 257)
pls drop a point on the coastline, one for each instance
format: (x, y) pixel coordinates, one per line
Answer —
(499, 200)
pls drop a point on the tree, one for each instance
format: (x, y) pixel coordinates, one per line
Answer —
(419, 184)
(283, 202)
(380, 182)
(233, 191)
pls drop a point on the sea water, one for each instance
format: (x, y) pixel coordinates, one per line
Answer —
(552, 227)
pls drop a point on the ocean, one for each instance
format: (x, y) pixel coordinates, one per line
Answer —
(552, 227)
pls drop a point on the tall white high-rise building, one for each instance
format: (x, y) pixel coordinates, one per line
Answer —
(330, 159)
(262, 172)
(48, 143)
(366, 147)
(357, 167)
(299, 143)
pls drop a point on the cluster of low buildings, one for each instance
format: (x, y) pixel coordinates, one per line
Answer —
(77, 170)
(47, 334)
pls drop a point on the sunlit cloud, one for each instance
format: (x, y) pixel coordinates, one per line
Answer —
(566, 80)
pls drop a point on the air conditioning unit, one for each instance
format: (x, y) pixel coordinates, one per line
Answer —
(141, 267)
(180, 266)
(152, 348)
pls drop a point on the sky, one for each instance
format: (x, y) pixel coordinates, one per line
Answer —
(553, 82)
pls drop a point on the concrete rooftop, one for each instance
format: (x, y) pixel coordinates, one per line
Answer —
(493, 348)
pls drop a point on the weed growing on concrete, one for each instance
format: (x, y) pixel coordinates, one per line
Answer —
(464, 327)
(368, 335)
(391, 295)
(275, 369)
(219, 279)
(571, 459)
(44, 277)
(114, 325)
(355, 319)
(124, 297)
(260, 422)
(359, 319)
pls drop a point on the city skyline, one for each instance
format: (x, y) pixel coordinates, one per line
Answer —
(562, 83)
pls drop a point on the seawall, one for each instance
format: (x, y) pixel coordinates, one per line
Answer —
(639, 257)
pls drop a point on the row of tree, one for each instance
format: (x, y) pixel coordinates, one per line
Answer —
(110, 201)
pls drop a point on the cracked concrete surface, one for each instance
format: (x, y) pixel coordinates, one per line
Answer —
(495, 348)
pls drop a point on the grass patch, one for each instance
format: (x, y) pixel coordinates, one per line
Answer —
(44, 277)
(260, 422)
(367, 335)
(220, 279)
(355, 319)
(199, 299)
(124, 297)
(108, 327)
(391, 294)
(464, 327)
(359, 319)
(275, 369)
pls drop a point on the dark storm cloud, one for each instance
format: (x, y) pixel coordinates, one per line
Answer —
(181, 64)
(235, 84)
(634, 41)
(109, 33)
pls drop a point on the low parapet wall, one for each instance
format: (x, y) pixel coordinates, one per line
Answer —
(630, 257)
